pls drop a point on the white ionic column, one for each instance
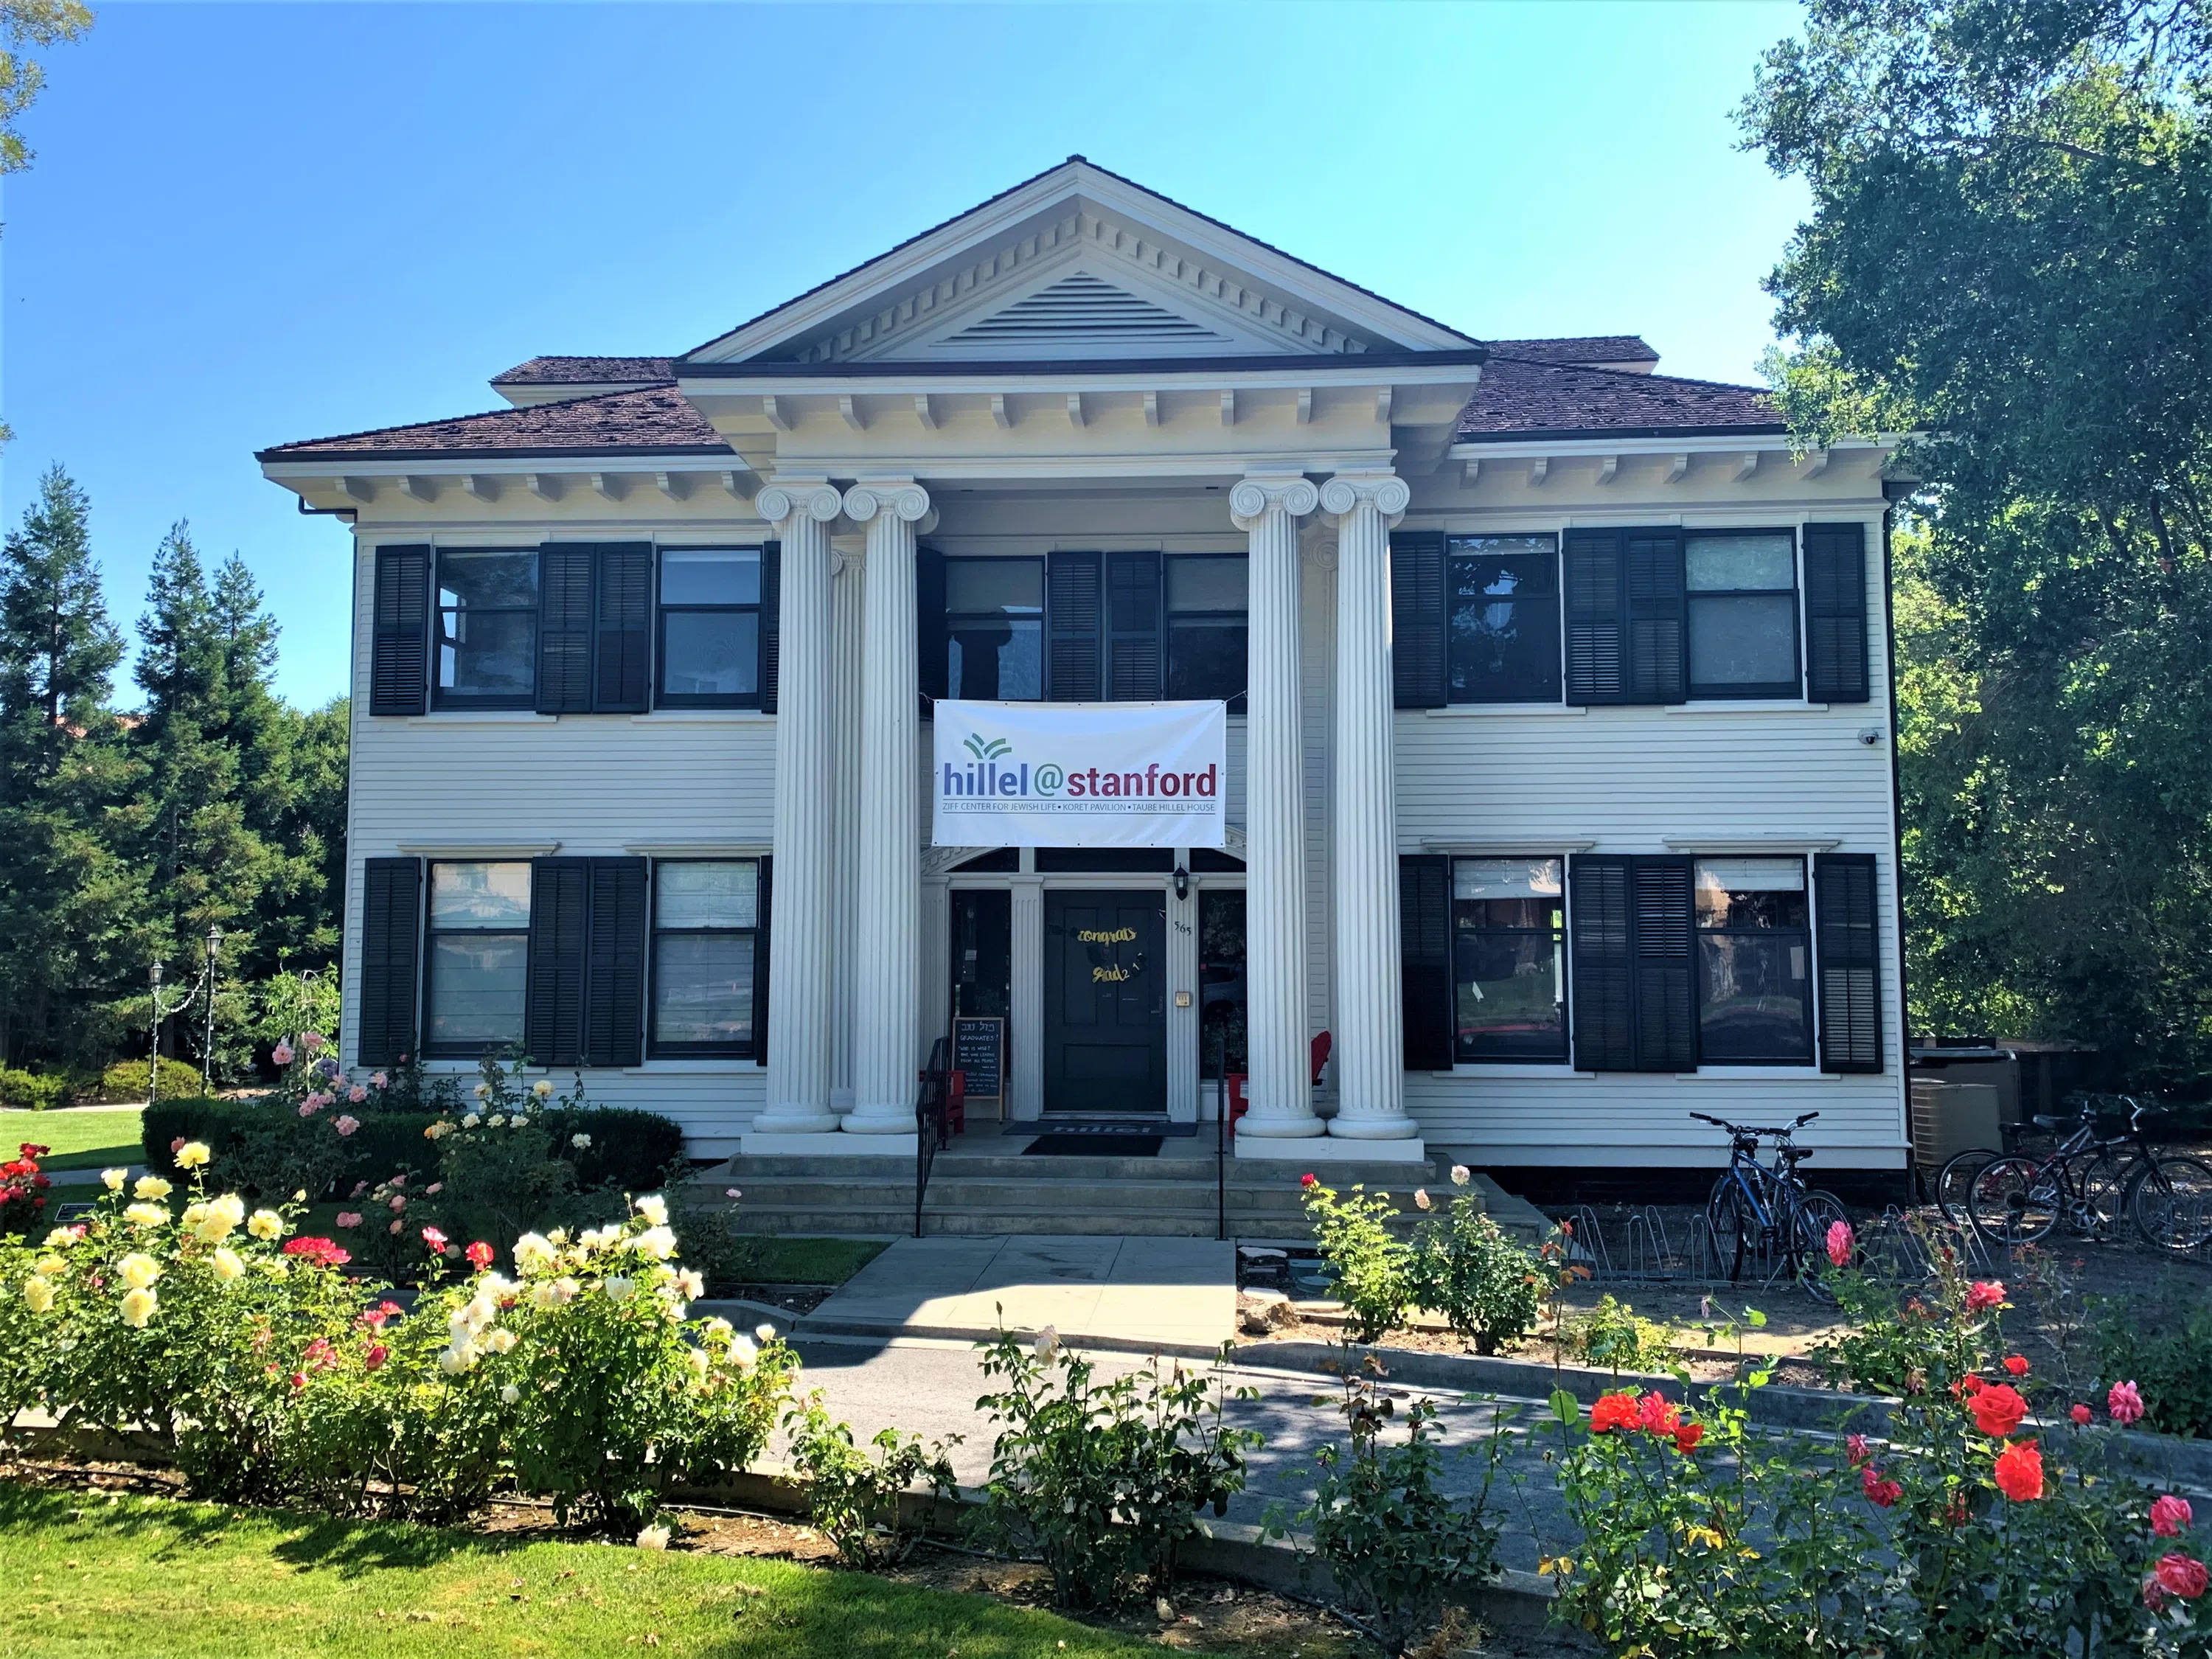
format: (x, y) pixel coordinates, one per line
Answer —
(1280, 1088)
(849, 567)
(886, 1008)
(799, 512)
(1369, 1053)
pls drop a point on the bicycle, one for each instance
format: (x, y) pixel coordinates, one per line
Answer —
(2093, 1182)
(2084, 1173)
(1761, 1211)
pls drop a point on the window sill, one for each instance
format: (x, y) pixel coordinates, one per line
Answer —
(483, 717)
(703, 717)
(1747, 706)
(729, 1067)
(1755, 1073)
(1511, 1070)
(1501, 710)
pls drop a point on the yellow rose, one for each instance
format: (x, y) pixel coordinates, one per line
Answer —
(226, 1265)
(114, 1179)
(191, 1155)
(138, 1307)
(59, 1237)
(266, 1224)
(150, 1187)
(139, 1270)
(147, 1215)
(52, 1266)
(38, 1294)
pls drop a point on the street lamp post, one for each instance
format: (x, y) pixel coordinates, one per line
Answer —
(206, 1052)
(154, 1039)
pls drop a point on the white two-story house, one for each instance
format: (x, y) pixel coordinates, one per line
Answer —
(1558, 787)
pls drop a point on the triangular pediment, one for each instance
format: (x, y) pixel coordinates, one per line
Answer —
(1079, 264)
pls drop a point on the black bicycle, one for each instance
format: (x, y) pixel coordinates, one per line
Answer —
(2092, 1180)
(1765, 1213)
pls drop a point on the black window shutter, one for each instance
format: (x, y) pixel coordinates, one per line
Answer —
(1835, 613)
(1657, 661)
(624, 625)
(1666, 983)
(614, 983)
(564, 628)
(770, 613)
(763, 913)
(1597, 631)
(1072, 615)
(1604, 968)
(1850, 961)
(560, 925)
(929, 643)
(1133, 627)
(1419, 628)
(391, 941)
(1424, 962)
(399, 644)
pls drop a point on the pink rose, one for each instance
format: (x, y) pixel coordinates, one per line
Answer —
(398, 1202)
(349, 1217)
(396, 1182)
(434, 1239)
(2169, 1516)
(282, 1054)
(311, 1040)
(380, 1079)
(346, 1126)
(2125, 1402)
(2178, 1575)
(307, 1107)
(1840, 1243)
(1986, 1293)
(359, 1187)
(433, 1189)
(357, 1094)
(394, 1228)
(375, 1356)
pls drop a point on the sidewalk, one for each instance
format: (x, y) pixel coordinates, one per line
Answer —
(1175, 1296)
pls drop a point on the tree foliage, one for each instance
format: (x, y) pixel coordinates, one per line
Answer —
(25, 24)
(2009, 258)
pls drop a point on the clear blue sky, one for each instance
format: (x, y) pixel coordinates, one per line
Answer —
(248, 224)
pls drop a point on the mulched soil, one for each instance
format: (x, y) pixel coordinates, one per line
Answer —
(791, 1298)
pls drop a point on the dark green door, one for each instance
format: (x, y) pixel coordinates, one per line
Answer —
(1105, 1009)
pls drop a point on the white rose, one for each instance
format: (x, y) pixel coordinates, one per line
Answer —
(654, 1208)
(659, 1242)
(696, 1359)
(470, 1121)
(114, 1179)
(518, 1122)
(510, 1395)
(497, 1120)
(453, 1361)
(1461, 1174)
(618, 1289)
(543, 1088)
(482, 1090)
(653, 1538)
(580, 1141)
(765, 1331)
(545, 1294)
(500, 1340)
(691, 1284)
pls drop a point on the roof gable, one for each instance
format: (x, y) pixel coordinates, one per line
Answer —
(916, 301)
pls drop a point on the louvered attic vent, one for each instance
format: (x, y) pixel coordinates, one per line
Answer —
(1080, 309)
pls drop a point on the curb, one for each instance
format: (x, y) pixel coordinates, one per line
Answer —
(1105, 1342)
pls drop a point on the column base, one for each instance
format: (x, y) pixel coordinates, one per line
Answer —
(1373, 1128)
(829, 1145)
(795, 1120)
(878, 1123)
(1329, 1149)
(1296, 1130)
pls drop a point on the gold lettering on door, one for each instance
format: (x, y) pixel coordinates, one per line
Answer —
(1096, 936)
(1111, 974)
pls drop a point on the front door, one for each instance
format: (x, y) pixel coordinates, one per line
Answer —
(1105, 1006)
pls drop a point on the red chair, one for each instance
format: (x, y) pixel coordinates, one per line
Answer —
(1237, 1105)
(1321, 1044)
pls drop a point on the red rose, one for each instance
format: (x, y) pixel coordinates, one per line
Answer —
(1309, 1180)
(2169, 1516)
(1855, 1447)
(2178, 1575)
(1998, 1410)
(375, 1356)
(1654, 1415)
(2080, 1413)
(1880, 1493)
(2017, 1365)
(1986, 1293)
(1614, 1411)
(1686, 1435)
(479, 1254)
(2019, 1474)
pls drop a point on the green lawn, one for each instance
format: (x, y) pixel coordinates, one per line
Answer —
(82, 1137)
(91, 1575)
(810, 1260)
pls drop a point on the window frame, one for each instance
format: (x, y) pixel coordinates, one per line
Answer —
(655, 1047)
(431, 1049)
(1792, 690)
(1556, 598)
(954, 619)
(1170, 617)
(1804, 934)
(1563, 955)
(443, 697)
(662, 696)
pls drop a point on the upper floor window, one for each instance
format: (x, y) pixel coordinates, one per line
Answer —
(1209, 613)
(710, 626)
(1755, 962)
(994, 629)
(478, 957)
(1741, 590)
(1508, 951)
(706, 918)
(1503, 619)
(487, 628)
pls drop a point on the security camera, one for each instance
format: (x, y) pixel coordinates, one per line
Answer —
(1869, 735)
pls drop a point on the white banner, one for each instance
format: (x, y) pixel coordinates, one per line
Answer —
(1080, 773)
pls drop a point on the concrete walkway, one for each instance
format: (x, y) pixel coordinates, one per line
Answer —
(1174, 1295)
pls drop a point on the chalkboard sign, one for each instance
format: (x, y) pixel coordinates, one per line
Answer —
(979, 1048)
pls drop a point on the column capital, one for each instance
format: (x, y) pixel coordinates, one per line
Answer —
(901, 497)
(1347, 492)
(784, 498)
(1260, 494)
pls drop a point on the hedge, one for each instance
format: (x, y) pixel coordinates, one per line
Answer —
(629, 1149)
(30, 1091)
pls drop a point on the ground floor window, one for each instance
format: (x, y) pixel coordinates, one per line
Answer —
(477, 955)
(1509, 949)
(1754, 963)
(706, 922)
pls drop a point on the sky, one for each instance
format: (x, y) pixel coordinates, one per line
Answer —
(249, 224)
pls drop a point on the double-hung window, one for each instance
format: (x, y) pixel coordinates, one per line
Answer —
(478, 957)
(994, 629)
(1503, 599)
(1755, 962)
(710, 627)
(1741, 590)
(1508, 955)
(487, 628)
(706, 922)
(1209, 621)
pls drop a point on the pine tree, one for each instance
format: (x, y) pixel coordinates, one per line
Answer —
(71, 935)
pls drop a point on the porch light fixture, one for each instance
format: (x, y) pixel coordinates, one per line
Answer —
(1183, 882)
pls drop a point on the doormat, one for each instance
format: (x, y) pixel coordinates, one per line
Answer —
(1096, 1144)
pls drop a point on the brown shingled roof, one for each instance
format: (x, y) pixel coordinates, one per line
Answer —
(656, 421)
(1516, 398)
(1581, 348)
(589, 371)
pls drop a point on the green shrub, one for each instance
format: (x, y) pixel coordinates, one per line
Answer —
(263, 1147)
(1614, 1335)
(851, 1498)
(31, 1091)
(127, 1080)
(2171, 1364)
(1465, 1268)
(1372, 1271)
(1103, 1481)
(630, 1151)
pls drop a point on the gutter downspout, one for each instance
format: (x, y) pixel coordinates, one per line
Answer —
(1893, 492)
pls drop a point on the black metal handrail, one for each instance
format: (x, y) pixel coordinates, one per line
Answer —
(932, 1121)
(1220, 1134)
